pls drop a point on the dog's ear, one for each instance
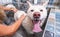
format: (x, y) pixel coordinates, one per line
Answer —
(46, 3)
(29, 3)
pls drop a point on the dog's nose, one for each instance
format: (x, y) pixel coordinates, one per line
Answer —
(36, 14)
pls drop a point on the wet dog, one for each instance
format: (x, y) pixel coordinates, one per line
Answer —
(36, 15)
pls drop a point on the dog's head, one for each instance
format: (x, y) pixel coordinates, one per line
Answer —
(37, 12)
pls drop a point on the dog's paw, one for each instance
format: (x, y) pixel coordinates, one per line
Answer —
(18, 14)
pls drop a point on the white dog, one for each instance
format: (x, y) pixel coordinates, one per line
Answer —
(36, 15)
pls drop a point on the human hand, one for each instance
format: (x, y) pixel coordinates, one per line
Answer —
(11, 8)
(14, 10)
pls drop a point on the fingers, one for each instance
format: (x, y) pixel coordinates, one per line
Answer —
(22, 16)
(13, 9)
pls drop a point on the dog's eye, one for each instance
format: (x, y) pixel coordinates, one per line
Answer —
(41, 10)
(32, 10)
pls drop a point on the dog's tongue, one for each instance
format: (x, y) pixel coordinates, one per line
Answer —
(37, 27)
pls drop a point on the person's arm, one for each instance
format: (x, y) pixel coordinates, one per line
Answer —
(4, 8)
(8, 30)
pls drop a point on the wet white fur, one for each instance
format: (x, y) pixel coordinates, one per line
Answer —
(27, 24)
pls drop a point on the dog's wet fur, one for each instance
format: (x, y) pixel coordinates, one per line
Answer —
(34, 13)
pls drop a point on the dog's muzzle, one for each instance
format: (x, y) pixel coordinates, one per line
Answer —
(36, 16)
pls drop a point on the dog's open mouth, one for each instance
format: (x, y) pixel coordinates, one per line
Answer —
(36, 23)
(36, 19)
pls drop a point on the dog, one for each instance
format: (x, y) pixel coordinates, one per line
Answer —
(35, 17)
